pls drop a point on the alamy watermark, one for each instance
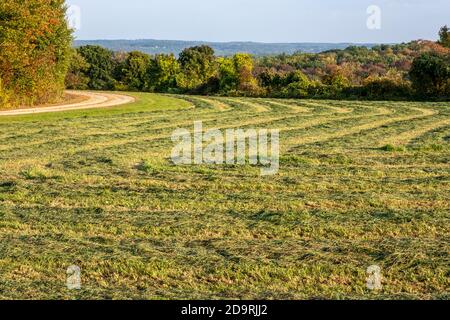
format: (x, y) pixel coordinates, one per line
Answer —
(231, 147)
(374, 278)
(74, 278)
(374, 19)
(73, 15)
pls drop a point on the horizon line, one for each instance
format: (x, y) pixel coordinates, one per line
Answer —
(253, 42)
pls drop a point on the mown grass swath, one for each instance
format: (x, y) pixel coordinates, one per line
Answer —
(360, 184)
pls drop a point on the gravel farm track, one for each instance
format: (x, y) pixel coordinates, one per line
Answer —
(91, 100)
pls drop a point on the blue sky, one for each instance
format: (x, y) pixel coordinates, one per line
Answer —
(261, 20)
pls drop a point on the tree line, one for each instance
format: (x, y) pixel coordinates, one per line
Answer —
(415, 70)
(37, 63)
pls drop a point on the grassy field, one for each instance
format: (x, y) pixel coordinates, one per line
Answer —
(360, 184)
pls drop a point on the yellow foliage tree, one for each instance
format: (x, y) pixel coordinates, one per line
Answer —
(35, 46)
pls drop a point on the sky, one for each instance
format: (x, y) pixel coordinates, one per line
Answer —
(261, 20)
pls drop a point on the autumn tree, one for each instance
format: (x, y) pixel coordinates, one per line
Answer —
(35, 46)
(244, 65)
(236, 74)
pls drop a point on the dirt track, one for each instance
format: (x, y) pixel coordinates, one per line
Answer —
(93, 100)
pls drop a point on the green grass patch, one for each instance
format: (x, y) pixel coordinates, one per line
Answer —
(392, 148)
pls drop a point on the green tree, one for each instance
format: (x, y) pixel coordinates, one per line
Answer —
(228, 75)
(101, 67)
(135, 71)
(76, 77)
(429, 74)
(272, 81)
(336, 80)
(35, 46)
(198, 66)
(444, 36)
(163, 73)
(297, 85)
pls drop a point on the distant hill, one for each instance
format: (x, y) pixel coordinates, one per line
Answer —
(221, 48)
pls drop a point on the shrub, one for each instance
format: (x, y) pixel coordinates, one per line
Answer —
(296, 85)
(384, 88)
(76, 77)
(429, 75)
(392, 148)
